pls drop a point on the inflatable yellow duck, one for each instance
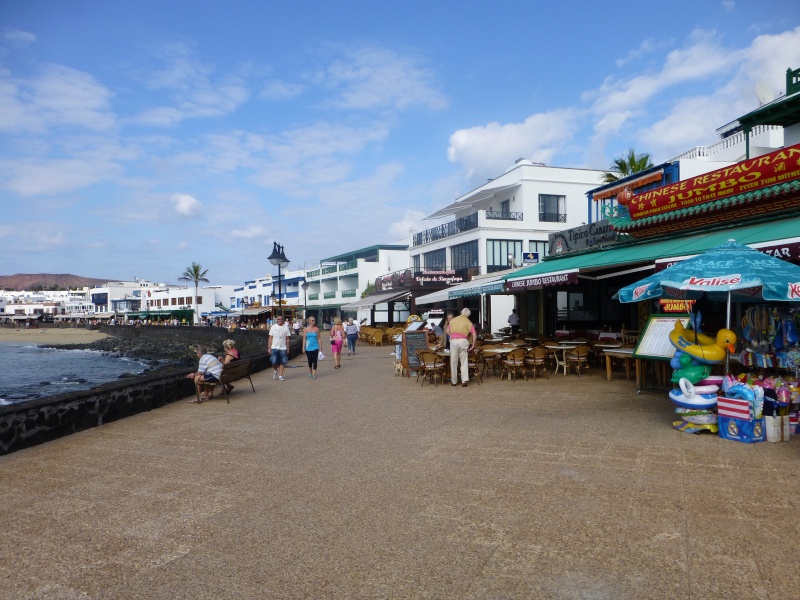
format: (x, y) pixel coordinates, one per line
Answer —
(703, 348)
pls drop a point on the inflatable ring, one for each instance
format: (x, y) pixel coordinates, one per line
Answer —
(706, 389)
(699, 402)
(687, 388)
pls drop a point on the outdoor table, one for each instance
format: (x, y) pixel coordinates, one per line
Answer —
(501, 352)
(564, 348)
(606, 335)
(445, 355)
(627, 354)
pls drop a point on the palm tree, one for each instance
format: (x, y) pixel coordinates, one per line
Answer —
(628, 165)
(195, 274)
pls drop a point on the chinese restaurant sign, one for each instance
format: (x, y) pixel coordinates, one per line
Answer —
(544, 280)
(745, 176)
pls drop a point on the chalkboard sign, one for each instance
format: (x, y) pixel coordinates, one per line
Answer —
(413, 341)
(654, 342)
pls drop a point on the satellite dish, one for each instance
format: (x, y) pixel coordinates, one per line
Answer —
(764, 93)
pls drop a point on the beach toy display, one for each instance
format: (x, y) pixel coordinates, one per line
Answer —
(696, 394)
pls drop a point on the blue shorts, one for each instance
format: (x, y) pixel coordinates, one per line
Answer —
(279, 357)
(209, 378)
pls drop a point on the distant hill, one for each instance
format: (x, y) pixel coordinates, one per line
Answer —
(47, 281)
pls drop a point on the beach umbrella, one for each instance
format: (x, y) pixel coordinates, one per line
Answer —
(729, 272)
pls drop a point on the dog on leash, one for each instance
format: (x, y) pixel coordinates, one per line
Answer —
(398, 369)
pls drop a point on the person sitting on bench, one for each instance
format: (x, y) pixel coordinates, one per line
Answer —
(207, 375)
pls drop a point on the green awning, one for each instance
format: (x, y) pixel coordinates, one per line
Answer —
(634, 253)
(476, 290)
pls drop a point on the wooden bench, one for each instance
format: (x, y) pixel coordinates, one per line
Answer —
(233, 371)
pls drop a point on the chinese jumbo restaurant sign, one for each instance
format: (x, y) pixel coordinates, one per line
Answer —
(542, 281)
(745, 176)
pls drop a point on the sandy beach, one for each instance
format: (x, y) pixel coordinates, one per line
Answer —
(47, 335)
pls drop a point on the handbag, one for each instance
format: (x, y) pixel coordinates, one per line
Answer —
(320, 356)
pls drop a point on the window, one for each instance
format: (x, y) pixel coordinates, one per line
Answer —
(552, 209)
(505, 207)
(540, 247)
(464, 256)
(436, 260)
(174, 302)
(497, 254)
(415, 263)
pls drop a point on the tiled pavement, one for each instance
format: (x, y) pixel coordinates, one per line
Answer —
(361, 484)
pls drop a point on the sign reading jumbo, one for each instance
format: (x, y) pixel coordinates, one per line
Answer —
(745, 176)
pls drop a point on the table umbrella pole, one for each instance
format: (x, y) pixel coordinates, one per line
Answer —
(728, 325)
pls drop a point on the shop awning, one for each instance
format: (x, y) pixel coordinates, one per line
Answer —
(25, 317)
(470, 201)
(625, 256)
(252, 312)
(371, 301)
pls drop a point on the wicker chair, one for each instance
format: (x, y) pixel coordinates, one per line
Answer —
(491, 362)
(430, 365)
(535, 359)
(577, 357)
(514, 363)
(475, 364)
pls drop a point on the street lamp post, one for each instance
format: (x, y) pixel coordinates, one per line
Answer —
(278, 258)
(304, 285)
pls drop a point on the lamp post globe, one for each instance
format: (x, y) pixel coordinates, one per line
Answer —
(278, 258)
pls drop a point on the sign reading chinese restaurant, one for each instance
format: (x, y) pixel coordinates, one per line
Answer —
(745, 176)
(542, 281)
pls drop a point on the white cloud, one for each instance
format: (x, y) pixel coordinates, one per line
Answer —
(648, 46)
(280, 90)
(193, 92)
(251, 232)
(487, 151)
(32, 177)
(57, 97)
(186, 205)
(183, 246)
(18, 37)
(373, 77)
(412, 220)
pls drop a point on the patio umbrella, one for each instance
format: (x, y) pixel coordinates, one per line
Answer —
(730, 270)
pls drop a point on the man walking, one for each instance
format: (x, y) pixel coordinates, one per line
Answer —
(461, 329)
(278, 346)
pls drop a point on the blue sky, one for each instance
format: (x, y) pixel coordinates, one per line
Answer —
(138, 137)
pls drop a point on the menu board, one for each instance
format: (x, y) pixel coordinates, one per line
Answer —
(413, 341)
(654, 342)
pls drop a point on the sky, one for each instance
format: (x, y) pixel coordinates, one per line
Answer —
(139, 137)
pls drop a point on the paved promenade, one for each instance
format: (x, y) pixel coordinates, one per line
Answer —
(361, 484)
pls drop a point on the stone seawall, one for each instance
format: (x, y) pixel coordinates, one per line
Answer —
(30, 423)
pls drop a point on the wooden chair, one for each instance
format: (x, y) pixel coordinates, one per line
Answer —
(430, 365)
(514, 363)
(491, 362)
(577, 357)
(535, 359)
(377, 337)
(475, 364)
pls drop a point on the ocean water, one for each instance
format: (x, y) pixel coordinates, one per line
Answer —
(28, 371)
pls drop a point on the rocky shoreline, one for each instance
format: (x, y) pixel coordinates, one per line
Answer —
(158, 355)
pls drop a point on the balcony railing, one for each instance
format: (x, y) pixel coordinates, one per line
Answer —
(348, 293)
(348, 265)
(329, 270)
(446, 230)
(552, 217)
(329, 295)
(314, 273)
(503, 216)
(313, 296)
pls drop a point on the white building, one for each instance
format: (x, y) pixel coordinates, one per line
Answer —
(500, 225)
(124, 296)
(343, 278)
